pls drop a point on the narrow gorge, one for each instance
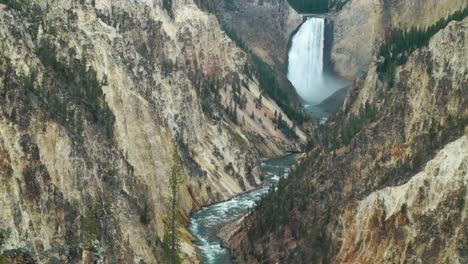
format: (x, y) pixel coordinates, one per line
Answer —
(384, 179)
(233, 131)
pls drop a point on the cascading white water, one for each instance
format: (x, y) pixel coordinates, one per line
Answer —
(305, 69)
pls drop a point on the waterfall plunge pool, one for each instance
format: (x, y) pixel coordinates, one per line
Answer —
(306, 66)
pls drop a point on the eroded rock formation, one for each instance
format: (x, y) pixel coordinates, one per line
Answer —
(94, 97)
(382, 180)
(361, 25)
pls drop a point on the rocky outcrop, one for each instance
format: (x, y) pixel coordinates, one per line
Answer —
(95, 96)
(264, 26)
(332, 208)
(361, 25)
(423, 220)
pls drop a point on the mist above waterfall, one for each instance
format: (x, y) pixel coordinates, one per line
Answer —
(305, 69)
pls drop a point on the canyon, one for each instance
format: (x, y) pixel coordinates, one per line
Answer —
(384, 179)
(85, 158)
(97, 96)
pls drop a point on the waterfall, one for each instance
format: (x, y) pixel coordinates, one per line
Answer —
(305, 69)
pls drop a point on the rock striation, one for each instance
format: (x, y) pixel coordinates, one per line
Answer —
(423, 220)
(385, 178)
(94, 98)
(264, 26)
(361, 25)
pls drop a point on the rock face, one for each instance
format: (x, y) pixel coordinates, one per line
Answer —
(352, 49)
(265, 26)
(95, 96)
(367, 190)
(423, 220)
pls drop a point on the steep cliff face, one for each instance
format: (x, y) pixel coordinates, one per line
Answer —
(95, 96)
(265, 26)
(263, 29)
(360, 26)
(341, 202)
(423, 220)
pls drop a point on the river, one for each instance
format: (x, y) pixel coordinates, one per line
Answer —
(208, 221)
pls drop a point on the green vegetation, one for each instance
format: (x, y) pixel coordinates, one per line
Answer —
(264, 73)
(2, 238)
(90, 227)
(14, 4)
(231, 111)
(208, 92)
(258, 102)
(272, 211)
(310, 6)
(281, 124)
(357, 123)
(208, 89)
(88, 87)
(279, 211)
(338, 4)
(270, 85)
(230, 5)
(145, 217)
(234, 37)
(31, 17)
(401, 43)
(343, 134)
(238, 101)
(171, 240)
(72, 90)
(167, 5)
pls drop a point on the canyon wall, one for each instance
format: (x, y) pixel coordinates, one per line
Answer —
(361, 25)
(385, 178)
(421, 220)
(95, 97)
(265, 26)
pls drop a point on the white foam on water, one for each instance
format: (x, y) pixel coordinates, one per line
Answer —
(207, 222)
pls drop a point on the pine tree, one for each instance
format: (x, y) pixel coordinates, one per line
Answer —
(105, 80)
(171, 236)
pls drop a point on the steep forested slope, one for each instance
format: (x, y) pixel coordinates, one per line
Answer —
(365, 192)
(263, 29)
(361, 25)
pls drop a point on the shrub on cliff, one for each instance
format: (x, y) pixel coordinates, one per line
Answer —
(73, 90)
(310, 6)
(401, 43)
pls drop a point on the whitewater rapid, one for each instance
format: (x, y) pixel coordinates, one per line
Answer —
(207, 222)
(305, 69)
